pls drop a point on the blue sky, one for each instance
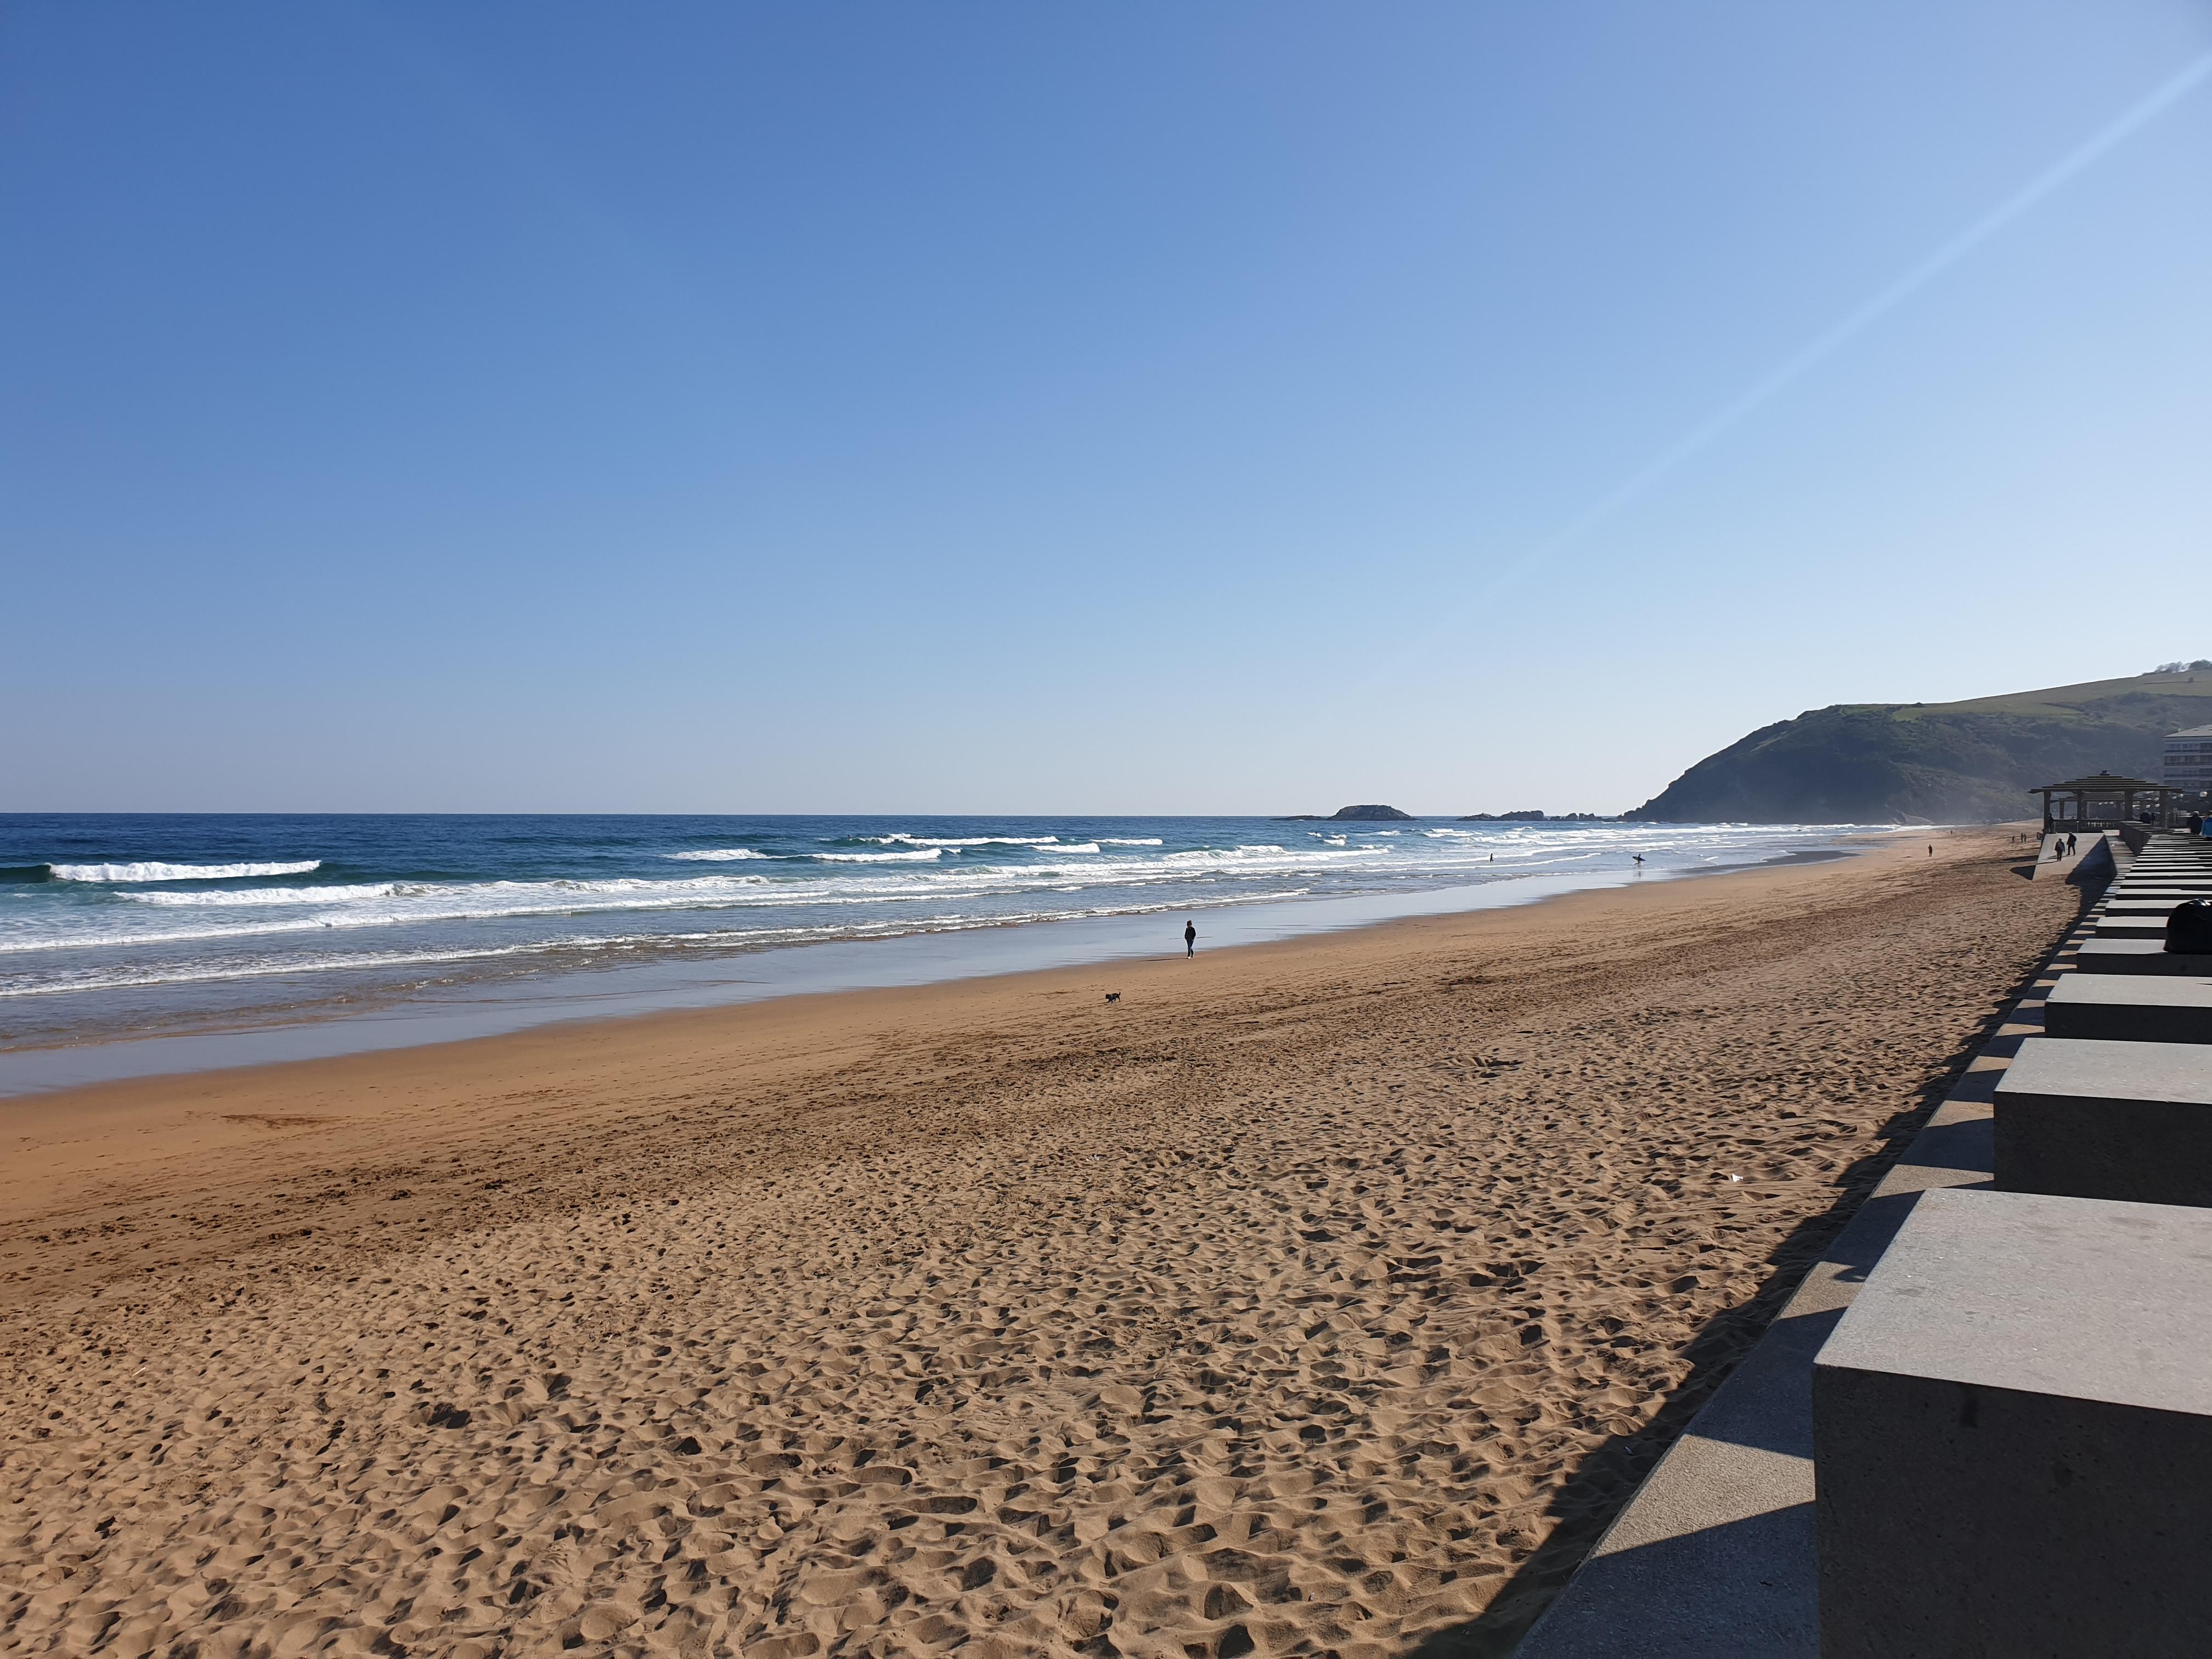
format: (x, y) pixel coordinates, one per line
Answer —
(1005, 408)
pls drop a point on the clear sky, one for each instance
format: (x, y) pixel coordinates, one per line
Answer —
(961, 407)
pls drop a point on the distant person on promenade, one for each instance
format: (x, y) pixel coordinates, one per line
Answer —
(1190, 938)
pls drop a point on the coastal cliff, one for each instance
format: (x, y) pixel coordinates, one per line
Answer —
(1972, 761)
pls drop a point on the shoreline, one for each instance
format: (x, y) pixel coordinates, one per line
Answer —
(921, 958)
(69, 1134)
(1301, 1291)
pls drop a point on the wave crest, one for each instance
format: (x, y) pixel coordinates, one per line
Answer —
(902, 839)
(152, 871)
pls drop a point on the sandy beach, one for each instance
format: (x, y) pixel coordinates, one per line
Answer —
(1317, 1297)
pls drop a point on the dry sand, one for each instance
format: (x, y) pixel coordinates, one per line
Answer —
(1289, 1304)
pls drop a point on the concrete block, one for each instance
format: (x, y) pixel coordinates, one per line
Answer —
(2128, 925)
(2093, 1118)
(2013, 1428)
(2130, 1008)
(2136, 956)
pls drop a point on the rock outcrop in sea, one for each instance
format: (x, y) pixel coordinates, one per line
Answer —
(1370, 814)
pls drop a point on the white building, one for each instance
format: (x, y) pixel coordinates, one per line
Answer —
(2186, 762)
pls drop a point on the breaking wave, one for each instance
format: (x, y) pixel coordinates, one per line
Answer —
(903, 840)
(151, 872)
(423, 908)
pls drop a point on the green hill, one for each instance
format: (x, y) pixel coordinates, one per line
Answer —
(1949, 761)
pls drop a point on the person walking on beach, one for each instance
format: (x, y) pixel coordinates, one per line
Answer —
(1190, 938)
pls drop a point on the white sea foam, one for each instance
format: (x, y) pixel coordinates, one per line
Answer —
(501, 896)
(156, 872)
(255, 897)
(1268, 857)
(150, 934)
(903, 840)
(141, 975)
(241, 915)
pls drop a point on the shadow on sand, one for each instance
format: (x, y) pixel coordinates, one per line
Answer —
(1604, 1482)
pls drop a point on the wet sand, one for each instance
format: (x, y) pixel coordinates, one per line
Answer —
(1287, 1305)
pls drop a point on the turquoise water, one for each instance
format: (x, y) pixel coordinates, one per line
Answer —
(116, 930)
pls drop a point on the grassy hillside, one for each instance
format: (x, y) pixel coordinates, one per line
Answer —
(1952, 761)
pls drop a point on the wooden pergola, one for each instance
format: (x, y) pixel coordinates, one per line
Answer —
(2102, 802)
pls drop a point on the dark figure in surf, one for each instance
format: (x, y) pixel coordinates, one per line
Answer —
(1190, 938)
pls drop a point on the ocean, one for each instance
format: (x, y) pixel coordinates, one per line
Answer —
(130, 945)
